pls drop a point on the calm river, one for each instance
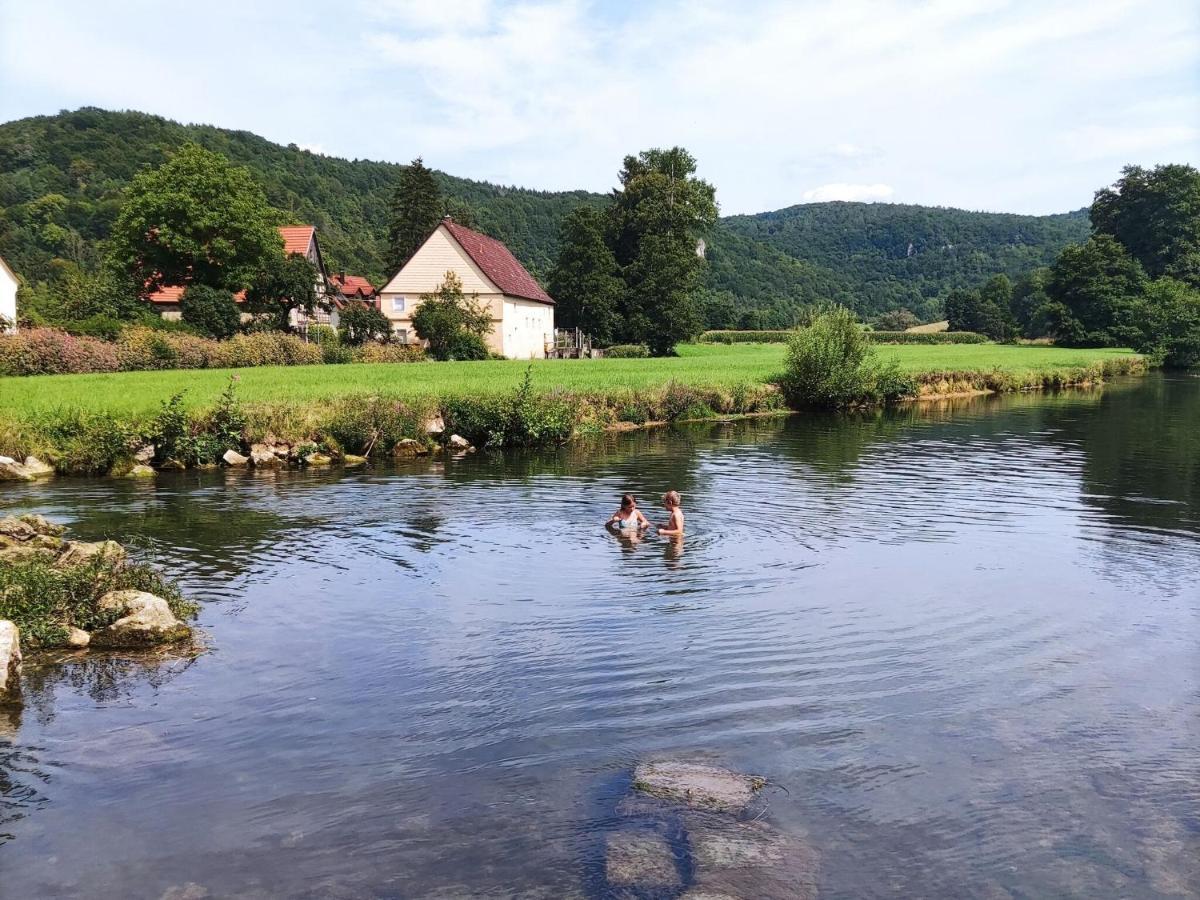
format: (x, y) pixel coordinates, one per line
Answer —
(962, 642)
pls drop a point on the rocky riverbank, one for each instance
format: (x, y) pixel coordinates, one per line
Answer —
(57, 593)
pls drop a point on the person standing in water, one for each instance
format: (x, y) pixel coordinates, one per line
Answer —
(629, 517)
(674, 526)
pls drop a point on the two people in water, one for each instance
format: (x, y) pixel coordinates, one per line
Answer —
(629, 518)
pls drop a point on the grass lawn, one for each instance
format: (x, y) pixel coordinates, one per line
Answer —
(700, 364)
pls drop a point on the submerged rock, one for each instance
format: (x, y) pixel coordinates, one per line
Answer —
(317, 459)
(10, 662)
(145, 620)
(80, 553)
(406, 448)
(642, 860)
(141, 470)
(698, 785)
(350, 459)
(233, 458)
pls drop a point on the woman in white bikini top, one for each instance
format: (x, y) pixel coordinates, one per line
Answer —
(629, 516)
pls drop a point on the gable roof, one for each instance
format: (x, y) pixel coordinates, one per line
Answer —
(296, 238)
(352, 284)
(7, 268)
(497, 262)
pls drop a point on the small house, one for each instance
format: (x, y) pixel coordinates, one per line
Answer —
(353, 287)
(8, 298)
(522, 312)
(298, 240)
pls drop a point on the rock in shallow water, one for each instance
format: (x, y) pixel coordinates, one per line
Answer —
(233, 458)
(697, 784)
(10, 662)
(641, 860)
(145, 620)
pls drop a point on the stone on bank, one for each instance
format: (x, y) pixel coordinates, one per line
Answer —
(10, 662)
(145, 620)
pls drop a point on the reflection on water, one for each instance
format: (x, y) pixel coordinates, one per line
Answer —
(960, 638)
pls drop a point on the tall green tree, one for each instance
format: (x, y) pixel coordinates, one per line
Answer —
(1095, 290)
(417, 207)
(284, 283)
(1155, 215)
(1028, 298)
(1168, 324)
(586, 281)
(212, 311)
(196, 219)
(658, 217)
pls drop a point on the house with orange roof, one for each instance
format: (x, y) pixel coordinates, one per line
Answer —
(298, 240)
(353, 287)
(522, 312)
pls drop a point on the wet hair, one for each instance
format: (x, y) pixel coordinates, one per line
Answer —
(628, 501)
(671, 498)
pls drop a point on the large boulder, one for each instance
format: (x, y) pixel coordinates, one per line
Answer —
(29, 537)
(233, 458)
(406, 448)
(697, 784)
(10, 662)
(31, 468)
(263, 455)
(144, 620)
(82, 553)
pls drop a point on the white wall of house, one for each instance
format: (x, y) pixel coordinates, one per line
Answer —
(8, 296)
(520, 327)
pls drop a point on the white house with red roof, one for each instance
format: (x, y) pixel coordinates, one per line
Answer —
(298, 240)
(8, 298)
(522, 312)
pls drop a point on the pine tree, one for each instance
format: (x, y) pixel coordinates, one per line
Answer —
(417, 207)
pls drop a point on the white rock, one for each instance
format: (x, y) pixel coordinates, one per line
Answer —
(458, 442)
(80, 553)
(262, 455)
(145, 619)
(35, 468)
(233, 458)
(6, 460)
(78, 638)
(10, 662)
(435, 425)
(145, 454)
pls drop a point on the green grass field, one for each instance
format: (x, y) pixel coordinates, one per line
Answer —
(701, 364)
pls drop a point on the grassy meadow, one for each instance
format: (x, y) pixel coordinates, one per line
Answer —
(137, 393)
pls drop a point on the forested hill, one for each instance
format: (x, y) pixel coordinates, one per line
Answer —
(62, 179)
(894, 255)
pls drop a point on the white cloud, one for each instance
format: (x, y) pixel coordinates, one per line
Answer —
(978, 103)
(866, 193)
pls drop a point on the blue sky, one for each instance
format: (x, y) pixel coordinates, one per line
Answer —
(983, 104)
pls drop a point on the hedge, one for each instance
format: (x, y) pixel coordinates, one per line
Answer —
(878, 337)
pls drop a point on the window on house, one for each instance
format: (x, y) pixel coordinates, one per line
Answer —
(402, 335)
(397, 304)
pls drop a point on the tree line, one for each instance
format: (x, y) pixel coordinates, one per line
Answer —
(1135, 282)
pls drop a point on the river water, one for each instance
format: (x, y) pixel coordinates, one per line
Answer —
(960, 640)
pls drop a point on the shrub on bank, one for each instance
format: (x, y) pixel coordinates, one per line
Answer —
(49, 351)
(628, 351)
(831, 364)
(746, 337)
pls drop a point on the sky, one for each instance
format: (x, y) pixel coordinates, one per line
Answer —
(1021, 106)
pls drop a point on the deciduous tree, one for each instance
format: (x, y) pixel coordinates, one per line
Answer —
(1155, 215)
(586, 281)
(196, 219)
(212, 311)
(453, 323)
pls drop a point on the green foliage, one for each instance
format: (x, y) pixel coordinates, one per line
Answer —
(1155, 215)
(44, 600)
(416, 208)
(195, 219)
(201, 441)
(88, 443)
(1094, 291)
(987, 311)
(896, 320)
(362, 322)
(657, 219)
(283, 283)
(373, 425)
(453, 324)
(211, 311)
(889, 255)
(586, 280)
(832, 364)
(876, 337)
(1168, 324)
(628, 351)
(522, 419)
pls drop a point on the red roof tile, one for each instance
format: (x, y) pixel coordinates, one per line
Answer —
(351, 285)
(296, 238)
(497, 263)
